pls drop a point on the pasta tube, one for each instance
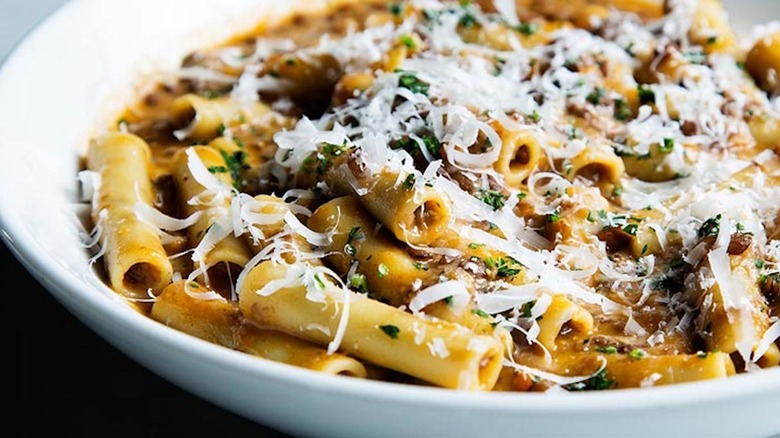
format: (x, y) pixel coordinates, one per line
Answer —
(282, 347)
(732, 323)
(217, 249)
(202, 119)
(417, 215)
(635, 370)
(439, 352)
(135, 259)
(389, 270)
(191, 308)
(561, 311)
(520, 155)
(599, 164)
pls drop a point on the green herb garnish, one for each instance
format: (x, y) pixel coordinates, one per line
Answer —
(390, 330)
(622, 111)
(596, 383)
(710, 227)
(480, 312)
(527, 29)
(410, 82)
(359, 283)
(492, 198)
(646, 95)
(667, 146)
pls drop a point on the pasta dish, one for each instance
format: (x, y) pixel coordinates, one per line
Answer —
(475, 195)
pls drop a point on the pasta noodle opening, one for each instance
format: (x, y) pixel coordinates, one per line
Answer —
(429, 216)
(141, 277)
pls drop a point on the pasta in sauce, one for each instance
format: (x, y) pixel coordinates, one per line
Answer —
(476, 195)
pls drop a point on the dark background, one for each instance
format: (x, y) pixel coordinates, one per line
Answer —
(75, 383)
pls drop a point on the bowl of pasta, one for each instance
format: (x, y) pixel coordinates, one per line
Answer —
(415, 218)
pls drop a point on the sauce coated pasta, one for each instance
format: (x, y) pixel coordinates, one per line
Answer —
(475, 195)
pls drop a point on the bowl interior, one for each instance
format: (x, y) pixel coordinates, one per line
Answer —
(49, 111)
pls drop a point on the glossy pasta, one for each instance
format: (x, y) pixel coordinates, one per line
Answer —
(481, 196)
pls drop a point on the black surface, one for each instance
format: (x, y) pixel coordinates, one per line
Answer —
(77, 384)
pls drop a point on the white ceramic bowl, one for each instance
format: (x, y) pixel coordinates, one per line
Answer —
(103, 46)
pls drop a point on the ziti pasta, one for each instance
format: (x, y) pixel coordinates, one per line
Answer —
(475, 195)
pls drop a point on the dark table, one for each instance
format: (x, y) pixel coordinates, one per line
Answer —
(76, 384)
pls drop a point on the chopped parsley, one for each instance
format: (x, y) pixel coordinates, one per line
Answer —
(419, 266)
(354, 234)
(480, 312)
(410, 82)
(335, 150)
(358, 282)
(468, 20)
(527, 308)
(637, 353)
(630, 229)
(492, 198)
(217, 169)
(408, 183)
(622, 111)
(390, 330)
(596, 383)
(673, 278)
(407, 41)
(430, 142)
(236, 162)
(319, 281)
(667, 146)
(646, 95)
(507, 267)
(395, 8)
(595, 96)
(710, 227)
(622, 150)
(527, 29)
